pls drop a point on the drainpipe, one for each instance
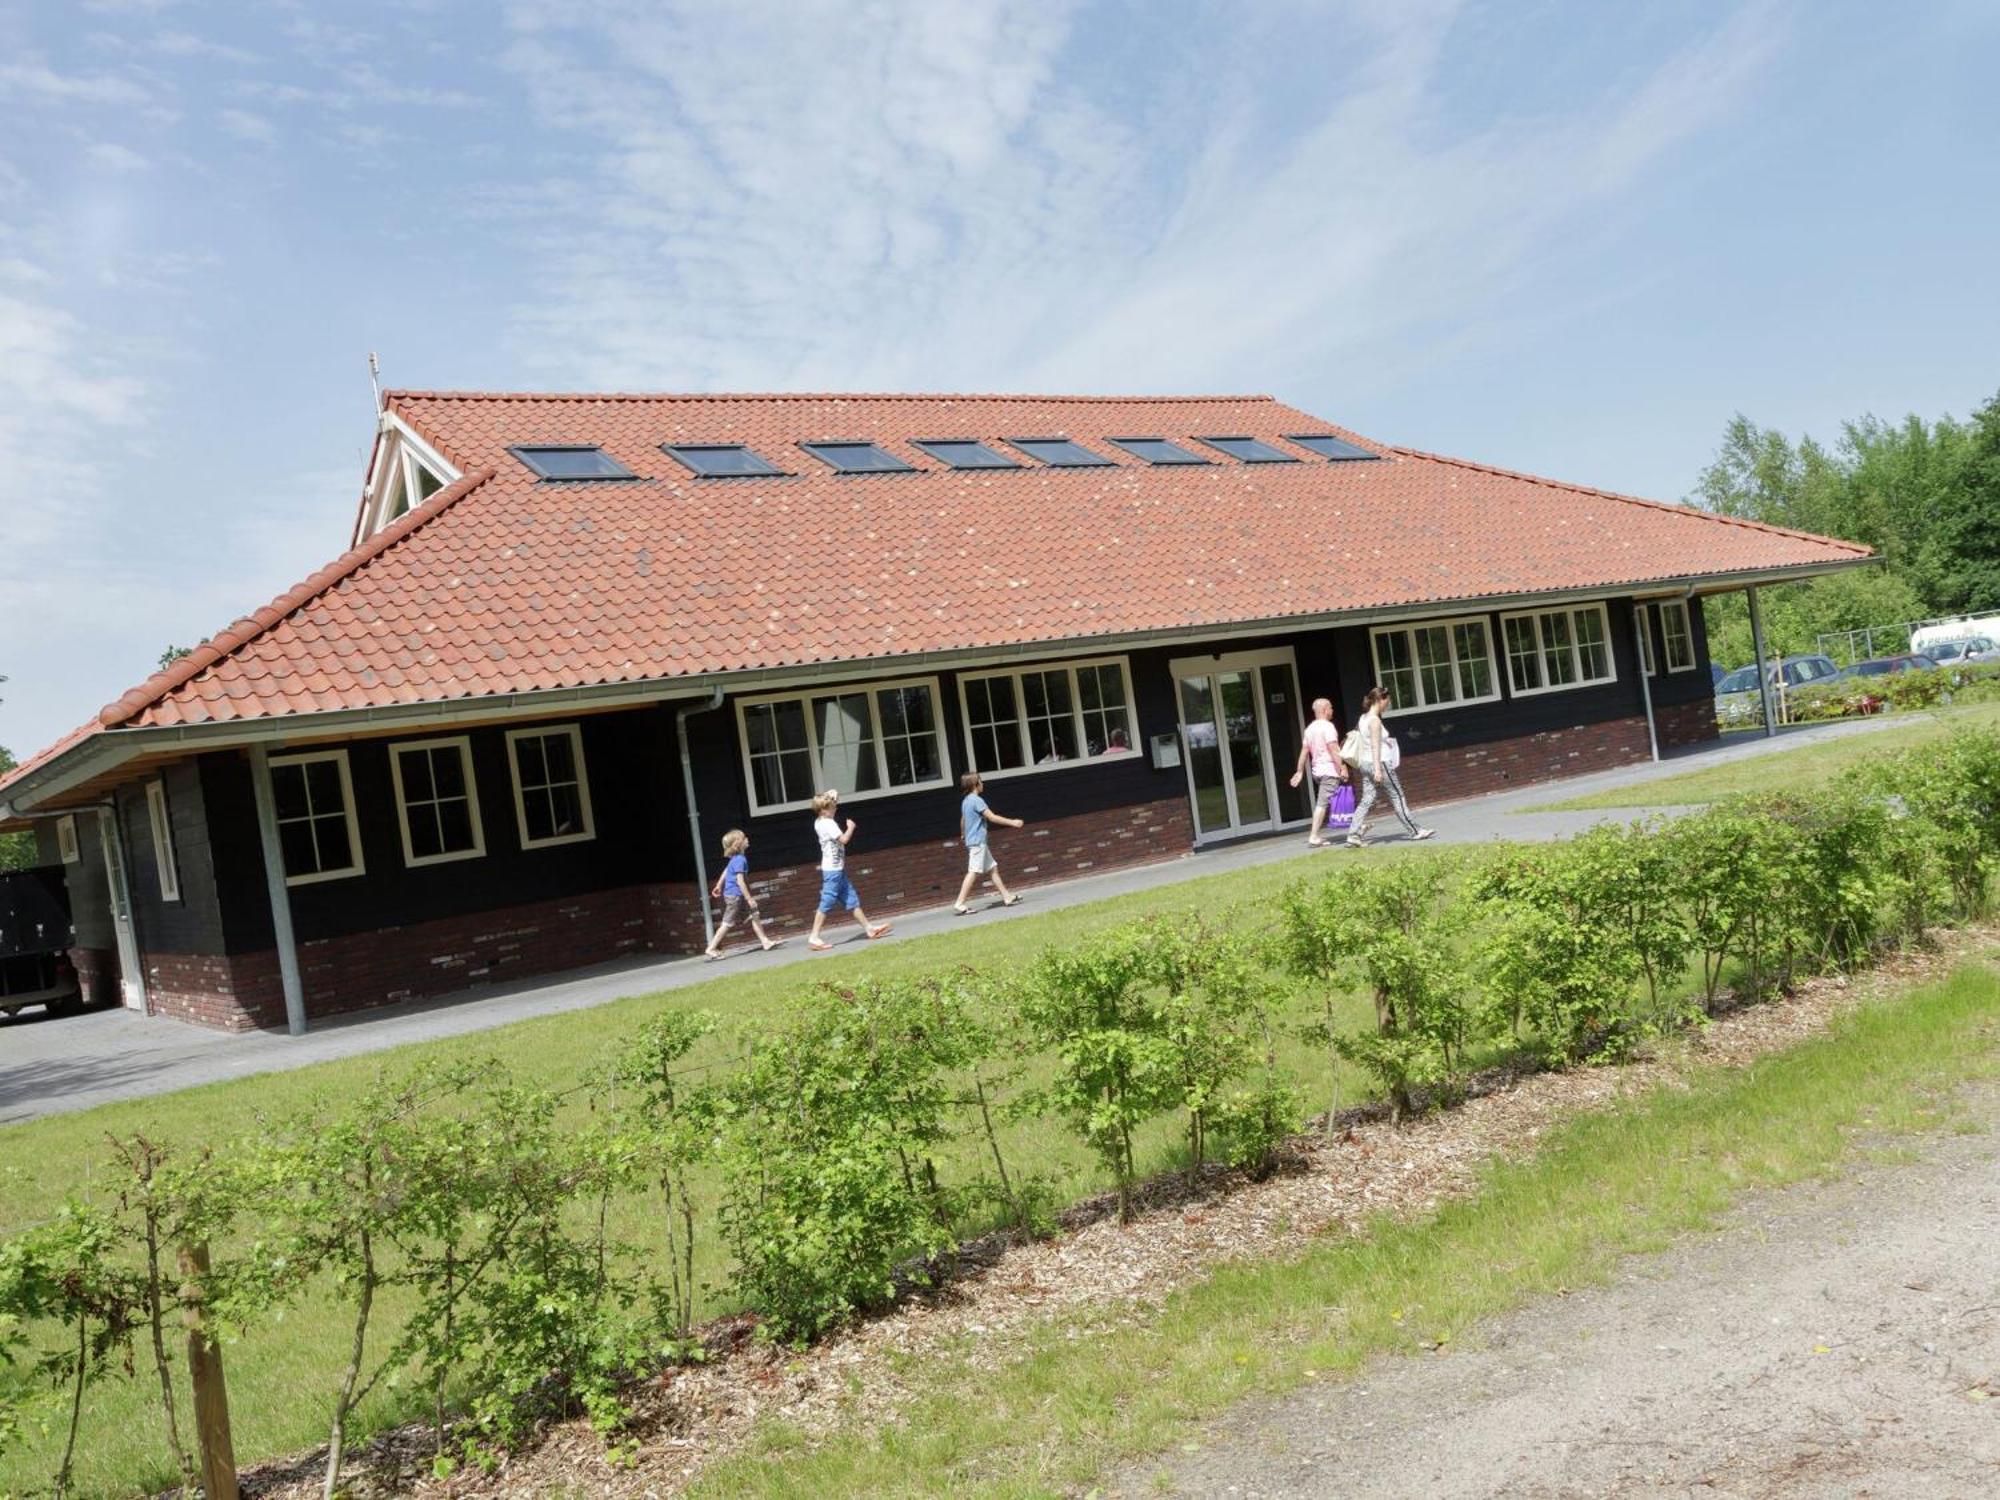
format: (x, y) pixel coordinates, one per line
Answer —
(694, 817)
(1763, 675)
(118, 882)
(279, 893)
(1645, 677)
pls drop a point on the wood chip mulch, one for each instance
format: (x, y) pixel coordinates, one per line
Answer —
(1003, 1290)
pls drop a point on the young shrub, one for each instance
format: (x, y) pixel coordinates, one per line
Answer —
(1726, 861)
(1205, 998)
(1114, 1068)
(1953, 786)
(1317, 938)
(828, 1133)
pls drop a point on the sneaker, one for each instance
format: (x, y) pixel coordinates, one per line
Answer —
(961, 911)
(1423, 833)
(709, 955)
(1355, 843)
(1315, 843)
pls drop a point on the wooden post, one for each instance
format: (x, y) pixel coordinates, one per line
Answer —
(211, 1397)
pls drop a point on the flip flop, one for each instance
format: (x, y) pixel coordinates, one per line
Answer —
(819, 946)
(880, 930)
(711, 958)
(961, 911)
(1011, 901)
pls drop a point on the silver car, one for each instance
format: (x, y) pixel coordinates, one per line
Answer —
(1736, 697)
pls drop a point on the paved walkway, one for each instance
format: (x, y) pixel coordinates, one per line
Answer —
(52, 1065)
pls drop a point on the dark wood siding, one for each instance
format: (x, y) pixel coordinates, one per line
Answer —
(193, 924)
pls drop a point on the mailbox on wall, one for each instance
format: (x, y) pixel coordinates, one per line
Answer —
(1166, 751)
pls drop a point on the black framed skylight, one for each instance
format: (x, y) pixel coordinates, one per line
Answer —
(1159, 451)
(1326, 445)
(965, 453)
(857, 458)
(570, 461)
(1061, 453)
(1249, 450)
(721, 460)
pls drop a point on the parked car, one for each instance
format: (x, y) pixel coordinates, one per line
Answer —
(1888, 666)
(35, 939)
(1715, 675)
(1964, 653)
(1736, 697)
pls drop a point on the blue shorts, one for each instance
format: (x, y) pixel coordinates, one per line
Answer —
(835, 889)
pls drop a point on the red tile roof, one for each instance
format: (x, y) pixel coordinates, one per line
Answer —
(504, 584)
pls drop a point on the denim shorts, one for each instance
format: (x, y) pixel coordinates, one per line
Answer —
(835, 889)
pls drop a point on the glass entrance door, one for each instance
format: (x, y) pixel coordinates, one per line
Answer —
(1228, 709)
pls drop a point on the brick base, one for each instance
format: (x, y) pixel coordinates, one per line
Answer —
(1496, 765)
(97, 975)
(232, 993)
(1686, 723)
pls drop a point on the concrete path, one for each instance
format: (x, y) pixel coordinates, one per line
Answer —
(51, 1065)
(1838, 1338)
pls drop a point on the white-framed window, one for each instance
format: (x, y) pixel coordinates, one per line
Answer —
(313, 797)
(863, 741)
(1432, 663)
(66, 839)
(1676, 635)
(1053, 714)
(437, 800)
(551, 785)
(1642, 619)
(1552, 649)
(163, 841)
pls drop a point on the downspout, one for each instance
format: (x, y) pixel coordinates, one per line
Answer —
(694, 816)
(124, 934)
(1640, 627)
(277, 892)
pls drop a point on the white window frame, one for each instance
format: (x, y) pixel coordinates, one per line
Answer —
(804, 697)
(550, 731)
(1534, 618)
(1409, 628)
(163, 840)
(463, 744)
(66, 845)
(1035, 668)
(1687, 635)
(360, 865)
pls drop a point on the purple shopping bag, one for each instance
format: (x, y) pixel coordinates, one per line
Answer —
(1340, 807)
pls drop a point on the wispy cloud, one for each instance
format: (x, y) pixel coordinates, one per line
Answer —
(247, 126)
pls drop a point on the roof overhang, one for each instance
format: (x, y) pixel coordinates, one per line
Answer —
(77, 777)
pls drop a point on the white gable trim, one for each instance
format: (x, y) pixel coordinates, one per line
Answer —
(400, 454)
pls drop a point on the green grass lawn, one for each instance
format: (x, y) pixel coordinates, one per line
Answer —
(1092, 1395)
(1781, 770)
(280, 1375)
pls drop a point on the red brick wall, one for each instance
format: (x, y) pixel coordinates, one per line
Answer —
(234, 993)
(1496, 765)
(1686, 723)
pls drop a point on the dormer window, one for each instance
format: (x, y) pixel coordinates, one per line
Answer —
(408, 471)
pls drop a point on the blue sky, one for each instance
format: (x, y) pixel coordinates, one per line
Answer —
(1571, 238)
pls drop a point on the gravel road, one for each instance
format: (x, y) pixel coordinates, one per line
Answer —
(1838, 1338)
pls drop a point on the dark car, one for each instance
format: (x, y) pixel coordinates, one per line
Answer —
(1888, 666)
(35, 939)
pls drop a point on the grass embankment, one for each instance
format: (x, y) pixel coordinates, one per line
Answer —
(1605, 1185)
(281, 1374)
(1782, 770)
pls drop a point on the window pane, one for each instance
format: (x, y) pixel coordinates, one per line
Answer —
(1106, 725)
(767, 780)
(288, 791)
(528, 758)
(846, 743)
(1434, 669)
(538, 813)
(996, 734)
(448, 771)
(566, 809)
(296, 842)
(1678, 636)
(335, 852)
(909, 738)
(1475, 672)
(1051, 728)
(1395, 668)
(1524, 664)
(559, 751)
(1592, 649)
(323, 785)
(426, 835)
(416, 768)
(1557, 660)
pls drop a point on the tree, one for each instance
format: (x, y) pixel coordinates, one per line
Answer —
(1962, 559)
(17, 850)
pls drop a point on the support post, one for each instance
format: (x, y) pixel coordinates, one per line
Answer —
(1642, 647)
(211, 1396)
(694, 814)
(1763, 672)
(280, 894)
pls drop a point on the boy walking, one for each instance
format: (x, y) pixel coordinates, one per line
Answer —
(733, 887)
(1321, 749)
(973, 817)
(835, 889)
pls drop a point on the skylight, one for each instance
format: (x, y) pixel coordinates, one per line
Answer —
(1326, 445)
(1249, 450)
(720, 460)
(1060, 453)
(965, 453)
(571, 461)
(1158, 451)
(857, 458)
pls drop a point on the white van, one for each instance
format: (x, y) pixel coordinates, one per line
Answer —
(1924, 638)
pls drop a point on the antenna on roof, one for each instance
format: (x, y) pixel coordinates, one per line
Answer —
(375, 377)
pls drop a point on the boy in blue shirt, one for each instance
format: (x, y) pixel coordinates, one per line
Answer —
(973, 816)
(733, 887)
